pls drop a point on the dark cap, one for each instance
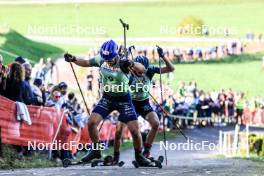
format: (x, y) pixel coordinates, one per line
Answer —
(38, 82)
(20, 60)
(62, 85)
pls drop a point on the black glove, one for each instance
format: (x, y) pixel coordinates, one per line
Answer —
(125, 64)
(160, 52)
(69, 58)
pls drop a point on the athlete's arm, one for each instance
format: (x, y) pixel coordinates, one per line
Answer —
(169, 66)
(131, 66)
(81, 61)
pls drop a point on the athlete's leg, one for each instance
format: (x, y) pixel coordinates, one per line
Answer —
(153, 120)
(117, 142)
(146, 111)
(128, 116)
(100, 112)
(93, 123)
(133, 127)
(95, 152)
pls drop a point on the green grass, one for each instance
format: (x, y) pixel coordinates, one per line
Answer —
(145, 18)
(10, 160)
(169, 136)
(240, 73)
(252, 157)
(76, 49)
(17, 44)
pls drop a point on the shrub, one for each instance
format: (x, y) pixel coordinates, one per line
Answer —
(191, 26)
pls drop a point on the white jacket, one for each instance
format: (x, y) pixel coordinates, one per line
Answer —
(22, 113)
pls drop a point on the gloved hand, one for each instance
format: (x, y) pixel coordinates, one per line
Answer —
(69, 58)
(160, 52)
(125, 64)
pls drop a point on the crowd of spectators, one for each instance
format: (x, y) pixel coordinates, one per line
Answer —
(190, 106)
(16, 84)
(189, 55)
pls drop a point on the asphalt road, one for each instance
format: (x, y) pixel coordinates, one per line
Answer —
(180, 161)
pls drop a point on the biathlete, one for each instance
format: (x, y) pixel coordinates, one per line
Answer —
(140, 89)
(116, 96)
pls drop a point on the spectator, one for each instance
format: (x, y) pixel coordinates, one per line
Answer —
(49, 70)
(15, 85)
(3, 74)
(31, 100)
(20, 60)
(54, 99)
(239, 108)
(38, 91)
(203, 106)
(90, 78)
(63, 90)
(229, 103)
(39, 70)
(48, 91)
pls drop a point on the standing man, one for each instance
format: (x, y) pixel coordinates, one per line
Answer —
(116, 96)
(140, 91)
(31, 98)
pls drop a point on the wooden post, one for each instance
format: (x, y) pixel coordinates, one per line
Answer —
(247, 139)
(220, 143)
(225, 144)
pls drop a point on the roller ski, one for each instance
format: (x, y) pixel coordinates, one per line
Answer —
(94, 155)
(107, 161)
(160, 159)
(68, 162)
(146, 153)
(141, 161)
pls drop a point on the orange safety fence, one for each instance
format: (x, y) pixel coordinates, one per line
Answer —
(85, 138)
(20, 133)
(45, 122)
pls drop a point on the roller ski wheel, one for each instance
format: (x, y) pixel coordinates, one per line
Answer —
(155, 164)
(94, 163)
(135, 164)
(107, 161)
(66, 163)
(161, 158)
(121, 163)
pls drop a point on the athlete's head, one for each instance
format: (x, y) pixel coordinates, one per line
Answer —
(109, 52)
(143, 60)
